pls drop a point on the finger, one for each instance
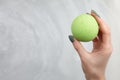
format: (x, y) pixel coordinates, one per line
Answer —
(100, 35)
(78, 46)
(103, 27)
(96, 42)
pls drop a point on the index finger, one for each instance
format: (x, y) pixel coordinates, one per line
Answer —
(103, 27)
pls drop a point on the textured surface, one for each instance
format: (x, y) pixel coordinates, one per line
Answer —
(84, 28)
(34, 41)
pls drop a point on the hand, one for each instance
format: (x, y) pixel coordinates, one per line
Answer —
(94, 63)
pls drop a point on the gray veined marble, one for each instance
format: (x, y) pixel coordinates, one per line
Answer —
(34, 41)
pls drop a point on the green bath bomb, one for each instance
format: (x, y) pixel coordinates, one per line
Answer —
(85, 28)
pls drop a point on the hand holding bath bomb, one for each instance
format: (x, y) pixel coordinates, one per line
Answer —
(85, 28)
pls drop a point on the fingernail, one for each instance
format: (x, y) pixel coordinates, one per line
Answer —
(71, 38)
(88, 13)
(92, 11)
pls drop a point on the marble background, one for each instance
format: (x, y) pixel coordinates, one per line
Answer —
(34, 41)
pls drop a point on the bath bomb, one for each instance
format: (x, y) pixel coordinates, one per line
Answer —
(84, 28)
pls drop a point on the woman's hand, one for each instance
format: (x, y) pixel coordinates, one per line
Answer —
(94, 63)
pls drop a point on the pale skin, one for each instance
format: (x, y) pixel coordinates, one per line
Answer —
(94, 62)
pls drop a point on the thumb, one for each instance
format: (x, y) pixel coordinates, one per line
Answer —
(78, 46)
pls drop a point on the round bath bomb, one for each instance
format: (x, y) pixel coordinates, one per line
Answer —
(84, 28)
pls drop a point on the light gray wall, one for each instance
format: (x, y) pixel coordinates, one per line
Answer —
(34, 41)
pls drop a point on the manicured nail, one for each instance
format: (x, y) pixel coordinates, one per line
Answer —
(92, 11)
(71, 38)
(88, 13)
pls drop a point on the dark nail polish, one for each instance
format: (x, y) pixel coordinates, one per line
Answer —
(71, 38)
(92, 11)
(88, 13)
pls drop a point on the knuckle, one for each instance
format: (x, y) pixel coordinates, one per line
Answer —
(108, 48)
(108, 31)
(76, 47)
(111, 49)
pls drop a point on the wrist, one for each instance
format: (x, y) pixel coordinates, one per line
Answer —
(95, 77)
